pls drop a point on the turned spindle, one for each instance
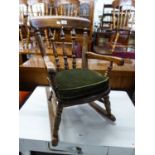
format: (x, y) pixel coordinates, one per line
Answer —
(21, 37)
(73, 36)
(109, 69)
(28, 38)
(46, 38)
(51, 39)
(62, 36)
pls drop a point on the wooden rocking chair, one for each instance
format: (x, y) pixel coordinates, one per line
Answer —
(123, 21)
(71, 86)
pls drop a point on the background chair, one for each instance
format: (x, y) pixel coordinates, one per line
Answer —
(25, 34)
(106, 18)
(67, 7)
(71, 85)
(28, 9)
(116, 36)
(23, 26)
(122, 27)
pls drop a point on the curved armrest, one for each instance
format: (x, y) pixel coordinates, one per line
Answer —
(49, 65)
(51, 69)
(117, 60)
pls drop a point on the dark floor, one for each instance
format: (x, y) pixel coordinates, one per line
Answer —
(42, 153)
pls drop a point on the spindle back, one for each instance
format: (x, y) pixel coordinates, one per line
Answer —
(67, 7)
(122, 19)
(48, 26)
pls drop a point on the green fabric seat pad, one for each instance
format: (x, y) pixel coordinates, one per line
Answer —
(77, 83)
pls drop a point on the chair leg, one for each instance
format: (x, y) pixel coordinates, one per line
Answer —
(115, 42)
(106, 112)
(108, 108)
(57, 124)
(50, 96)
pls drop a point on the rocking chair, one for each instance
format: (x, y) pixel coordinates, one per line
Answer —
(71, 86)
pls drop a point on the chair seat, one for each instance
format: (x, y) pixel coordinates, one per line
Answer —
(78, 83)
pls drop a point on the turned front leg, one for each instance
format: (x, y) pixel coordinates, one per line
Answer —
(57, 124)
(108, 108)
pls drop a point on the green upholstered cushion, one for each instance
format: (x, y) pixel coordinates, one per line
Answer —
(76, 83)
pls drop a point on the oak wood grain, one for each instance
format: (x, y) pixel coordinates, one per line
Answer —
(117, 60)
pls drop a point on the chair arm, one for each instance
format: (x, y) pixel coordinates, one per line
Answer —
(49, 65)
(51, 69)
(117, 60)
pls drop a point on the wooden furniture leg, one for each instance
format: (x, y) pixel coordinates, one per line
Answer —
(115, 42)
(28, 39)
(21, 37)
(106, 112)
(108, 108)
(57, 121)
